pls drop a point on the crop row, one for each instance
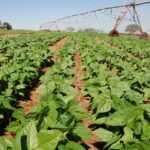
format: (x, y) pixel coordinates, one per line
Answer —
(20, 68)
(121, 118)
(136, 47)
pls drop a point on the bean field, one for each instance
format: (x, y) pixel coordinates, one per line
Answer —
(74, 91)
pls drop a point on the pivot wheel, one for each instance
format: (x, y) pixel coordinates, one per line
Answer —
(114, 33)
(143, 36)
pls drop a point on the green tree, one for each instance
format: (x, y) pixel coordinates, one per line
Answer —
(132, 28)
(7, 26)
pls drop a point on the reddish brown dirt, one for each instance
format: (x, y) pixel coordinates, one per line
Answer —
(28, 104)
(146, 101)
(82, 100)
(9, 135)
(131, 55)
(59, 44)
(56, 47)
(44, 70)
(55, 58)
(14, 35)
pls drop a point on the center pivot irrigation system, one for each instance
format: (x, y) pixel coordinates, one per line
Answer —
(126, 9)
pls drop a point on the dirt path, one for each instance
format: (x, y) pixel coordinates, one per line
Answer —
(131, 55)
(27, 105)
(14, 35)
(82, 100)
(57, 46)
(146, 101)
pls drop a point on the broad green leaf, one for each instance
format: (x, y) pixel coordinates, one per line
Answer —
(68, 89)
(14, 127)
(3, 145)
(128, 135)
(51, 118)
(120, 117)
(20, 86)
(103, 134)
(8, 143)
(134, 96)
(117, 146)
(8, 92)
(19, 114)
(147, 93)
(63, 147)
(93, 90)
(118, 87)
(45, 88)
(31, 134)
(5, 102)
(119, 103)
(48, 139)
(146, 107)
(143, 145)
(146, 131)
(77, 110)
(74, 146)
(82, 132)
(104, 105)
(100, 120)
(1, 116)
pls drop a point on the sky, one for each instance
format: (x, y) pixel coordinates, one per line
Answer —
(30, 14)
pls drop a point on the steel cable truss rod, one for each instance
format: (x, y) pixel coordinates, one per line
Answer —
(106, 8)
(116, 17)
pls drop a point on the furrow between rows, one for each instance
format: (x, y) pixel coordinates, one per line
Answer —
(83, 100)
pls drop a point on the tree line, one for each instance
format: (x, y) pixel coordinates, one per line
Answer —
(131, 28)
(5, 25)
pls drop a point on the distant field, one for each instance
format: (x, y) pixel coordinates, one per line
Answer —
(15, 31)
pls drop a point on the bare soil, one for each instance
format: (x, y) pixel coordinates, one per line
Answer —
(14, 35)
(83, 101)
(57, 46)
